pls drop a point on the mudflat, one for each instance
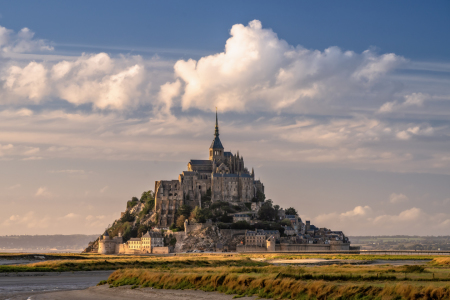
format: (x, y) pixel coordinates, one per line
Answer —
(23, 284)
(104, 292)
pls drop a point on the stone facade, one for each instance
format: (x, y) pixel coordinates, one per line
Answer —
(223, 176)
(255, 238)
(108, 245)
(241, 217)
(151, 242)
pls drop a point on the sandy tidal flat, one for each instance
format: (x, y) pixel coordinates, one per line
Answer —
(105, 293)
(23, 284)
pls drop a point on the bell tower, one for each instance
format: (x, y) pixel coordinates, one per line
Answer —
(216, 148)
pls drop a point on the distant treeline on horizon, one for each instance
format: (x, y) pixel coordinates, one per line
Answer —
(43, 242)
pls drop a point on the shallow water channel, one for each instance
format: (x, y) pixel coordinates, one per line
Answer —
(12, 284)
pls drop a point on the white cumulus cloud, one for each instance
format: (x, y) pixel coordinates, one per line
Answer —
(257, 69)
(20, 42)
(97, 78)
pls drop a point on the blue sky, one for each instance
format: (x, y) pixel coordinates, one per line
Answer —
(416, 29)
(342, 108)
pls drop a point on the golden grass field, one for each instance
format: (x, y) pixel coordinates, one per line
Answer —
(294, 282)
(255, 275)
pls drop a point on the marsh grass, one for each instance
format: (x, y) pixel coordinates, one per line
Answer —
(441, 261)
(132, 262)
(271, 285)
(340, 256)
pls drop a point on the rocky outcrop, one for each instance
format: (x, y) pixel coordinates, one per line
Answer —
(208, 239)
(92, 247)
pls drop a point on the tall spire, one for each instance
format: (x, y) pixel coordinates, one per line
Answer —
(216, 132)
(216, 143)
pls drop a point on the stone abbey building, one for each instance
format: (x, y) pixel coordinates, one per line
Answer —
(223, 176)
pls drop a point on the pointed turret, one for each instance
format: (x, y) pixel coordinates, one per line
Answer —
(216, 131)
(216, 148)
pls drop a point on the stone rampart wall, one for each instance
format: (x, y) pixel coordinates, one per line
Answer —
(160, 250)
(250, 248)
(296, 248)
(233, 231)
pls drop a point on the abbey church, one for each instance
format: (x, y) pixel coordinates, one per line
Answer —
(223, 176)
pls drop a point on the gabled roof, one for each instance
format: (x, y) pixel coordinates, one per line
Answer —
(152, 234)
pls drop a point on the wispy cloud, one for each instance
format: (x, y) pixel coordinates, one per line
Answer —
(15, 186)
(397, 198)
(42, 191)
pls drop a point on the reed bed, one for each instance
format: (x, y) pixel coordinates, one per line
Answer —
(273, 285)
(441, 261)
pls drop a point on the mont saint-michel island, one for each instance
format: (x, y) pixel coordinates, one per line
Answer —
(197, 150)
(217, 205)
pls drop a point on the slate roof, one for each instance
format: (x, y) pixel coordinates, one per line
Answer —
(152, 234)
(200, 162)
(227, 154)
(271, 232)
(188, 173)
(216, 143)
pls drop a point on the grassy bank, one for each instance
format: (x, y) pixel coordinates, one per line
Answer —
(114, 262)
(128, 262)
(294, 282)
(268, 257)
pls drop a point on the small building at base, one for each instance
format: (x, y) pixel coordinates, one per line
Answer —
(108, 245)
(151, 242)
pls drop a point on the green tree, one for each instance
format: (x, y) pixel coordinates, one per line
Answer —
(199, 215)
(206, 199)
(180, 222)
(291, 211)
(286, 222)
(267, 212)
(131, 204)
(142, 229)
(147, 208)
(147, 196)
(241, 225)
(127, 217)
(184, 210)
(260, 196)
(225, 218)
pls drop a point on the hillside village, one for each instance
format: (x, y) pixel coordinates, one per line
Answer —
(216, 205)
